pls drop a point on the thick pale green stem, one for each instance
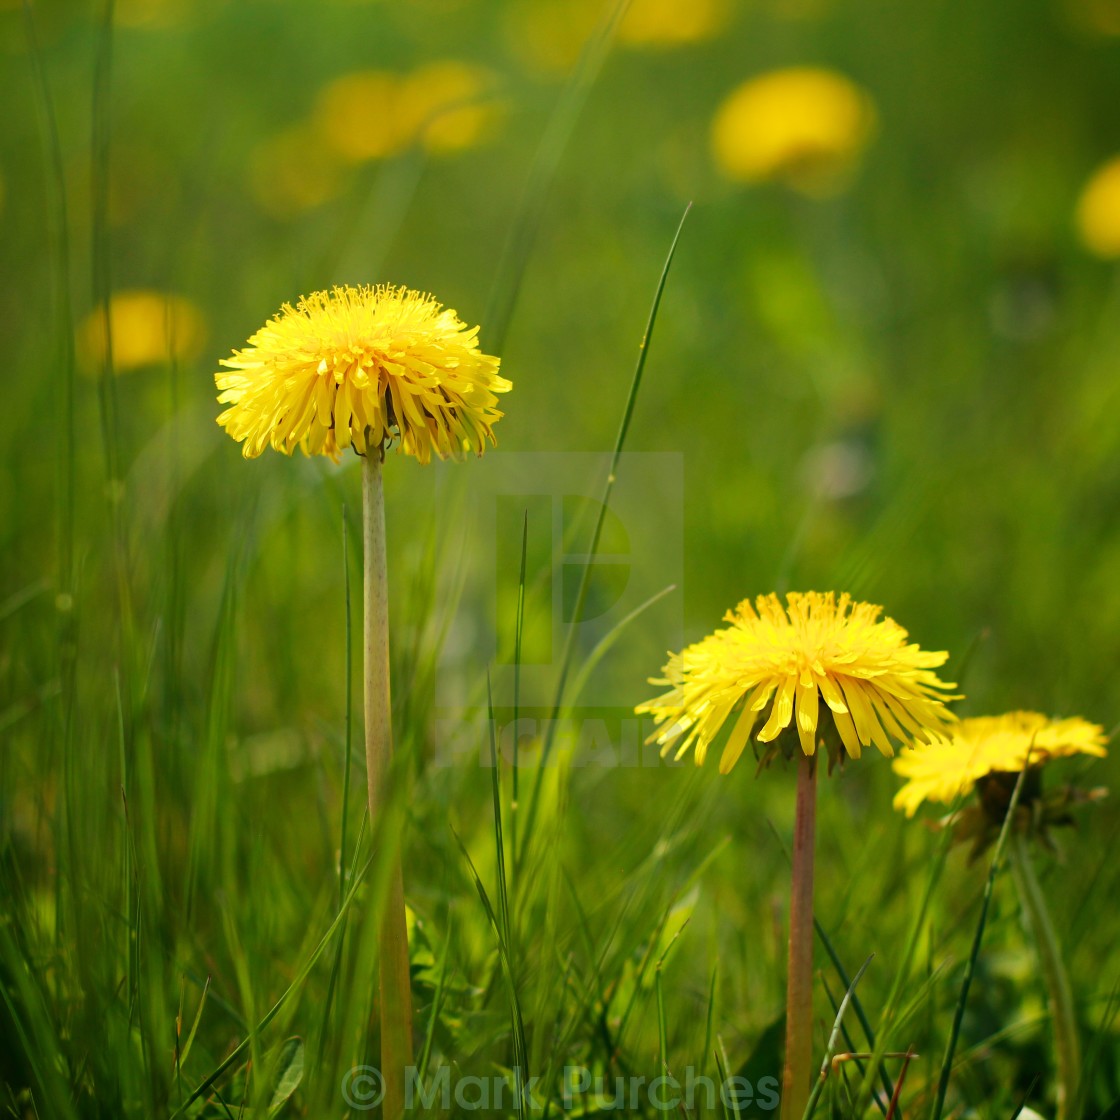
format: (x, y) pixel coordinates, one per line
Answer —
(395, 984)
(799, 991)
(1066, 1043)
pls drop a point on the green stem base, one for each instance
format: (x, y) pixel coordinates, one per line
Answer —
(799, 992)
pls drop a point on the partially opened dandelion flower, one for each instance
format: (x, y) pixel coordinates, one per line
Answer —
(361, 367)
(998, 755)
(876, 686)
(951, 766)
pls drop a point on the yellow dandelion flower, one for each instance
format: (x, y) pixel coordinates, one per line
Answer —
(374, 114)
(950, 766)
(1098, 211)
(875, 684)
(669, 23)
(803, 126)
(358, 115)
(359, 367)
(446, 106)
(146, 328)
(548, 35)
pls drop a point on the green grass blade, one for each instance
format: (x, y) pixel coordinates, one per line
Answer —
(603, 646)
(59, 232)
(521, 1050)
(499, 833)
(888, 1018)
(581, 595)
(297, 982)
(857, 1007)
(522, 235)
(519, 633)
(662, 1027)
(974, 955)
(722, 1066)
(100, 260)
(437, 1003)
(709, 1019)
(347, 765)
(349, 722)
(830, 1049)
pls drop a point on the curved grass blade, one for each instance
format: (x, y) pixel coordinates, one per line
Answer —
(581, 595)
(603, 646)
(519, 633)
(888, 1019)
(336, 966)
(830, 1049)
(297, 981)
(970, 968)
(437, 1004)
(857, 1007)
(523, 233)
(520, 1048)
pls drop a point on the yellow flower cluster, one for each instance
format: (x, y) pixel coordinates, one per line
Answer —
(445, 106)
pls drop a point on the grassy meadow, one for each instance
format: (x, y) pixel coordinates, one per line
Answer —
(884, 362)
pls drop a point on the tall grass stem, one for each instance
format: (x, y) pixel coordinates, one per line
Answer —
(799, 990)
(395, 982)
(1066, 1044)
(977, 941)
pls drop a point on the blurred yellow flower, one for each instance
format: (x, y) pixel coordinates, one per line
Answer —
(446, 106)
(1100, 17)
(357, 115)
(950, 766)
(550, 34)
(145, 327)
(293, 171)
(1098, 211)
(668, 23)
(875, 685)
(358, 367)
(373, 114)
(803, 126)
(152, 14)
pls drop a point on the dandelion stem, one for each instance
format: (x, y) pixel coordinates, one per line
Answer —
(799, 990)
(1057, 980)
(395, 984)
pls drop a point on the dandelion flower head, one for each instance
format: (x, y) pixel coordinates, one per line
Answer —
(876, 685)
(950, 766)
(361, 367)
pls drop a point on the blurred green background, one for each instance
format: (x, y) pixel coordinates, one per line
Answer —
(887, 355)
